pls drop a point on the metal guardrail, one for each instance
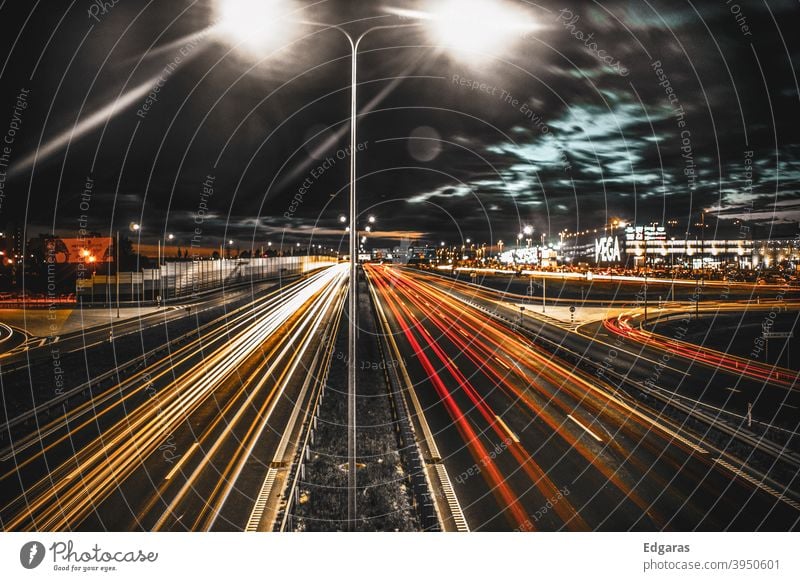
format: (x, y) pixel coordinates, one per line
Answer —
(283, 522)
(175, 280)
(278, 459)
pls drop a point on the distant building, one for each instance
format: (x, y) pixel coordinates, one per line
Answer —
(381, 254)
(400, 253)
(633, 246)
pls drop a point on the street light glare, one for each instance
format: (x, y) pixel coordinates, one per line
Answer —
(256, 25)
(477, 26)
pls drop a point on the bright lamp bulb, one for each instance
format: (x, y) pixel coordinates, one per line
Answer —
(256, 25)
(477, 26)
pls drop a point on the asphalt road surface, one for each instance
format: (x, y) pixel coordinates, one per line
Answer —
(184, 443)
(532, 442)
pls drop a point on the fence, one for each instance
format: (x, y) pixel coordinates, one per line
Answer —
(184, 279)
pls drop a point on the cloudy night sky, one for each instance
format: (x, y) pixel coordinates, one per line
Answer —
(566, 123)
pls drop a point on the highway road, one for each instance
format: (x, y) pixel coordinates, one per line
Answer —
(23, 348)
(533, 441)
(61, 370)
(184, 443)
(716, 385)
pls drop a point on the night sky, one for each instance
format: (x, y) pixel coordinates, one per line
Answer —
(645, 111)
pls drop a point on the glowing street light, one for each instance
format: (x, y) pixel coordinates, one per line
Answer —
(259, 26)
(472, 26)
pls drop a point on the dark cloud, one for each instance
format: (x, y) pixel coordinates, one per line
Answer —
(548, 132)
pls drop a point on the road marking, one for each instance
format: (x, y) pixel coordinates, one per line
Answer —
(9, 330)
(765, 487)
(733, 389)
(452, 499)
(794, 407)
(261, 501)
(574, 328)
(501, 362)
(511, 434)
(181, 461)
(587, 430)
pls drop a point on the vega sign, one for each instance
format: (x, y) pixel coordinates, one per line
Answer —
(606, 249)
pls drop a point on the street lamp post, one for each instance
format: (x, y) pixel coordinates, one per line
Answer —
(117, 276)
(645, 276)
(352, 331)
(703, 243)
(158, 267)
(451, 16)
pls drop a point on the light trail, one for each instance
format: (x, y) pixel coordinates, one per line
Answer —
(299, 342)
(488, 338)
(128, 390)
(564, 509)
(568, 401)
(621, 326)
(70, 492)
